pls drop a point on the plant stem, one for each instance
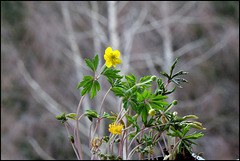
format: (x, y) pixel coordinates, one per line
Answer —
(108, 144)
(78, 137)
(169, 146)
(98, 121)
(73, 145)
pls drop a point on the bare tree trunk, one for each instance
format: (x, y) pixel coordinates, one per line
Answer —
(167, 43)
(76, 54)
(112, 24)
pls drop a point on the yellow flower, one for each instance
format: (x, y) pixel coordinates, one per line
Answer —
(112, 57)
(115, 128)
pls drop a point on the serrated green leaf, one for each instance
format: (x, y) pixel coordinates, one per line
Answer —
(97, 85)
(87, 77)
(82, 83)
(87, 87)
(143, 79)
(118, 91)
(89, 64)
(134, 78)
(94, 90)
(95, 62)
(112, 73)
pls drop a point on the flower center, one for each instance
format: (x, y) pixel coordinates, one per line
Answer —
(113, 57)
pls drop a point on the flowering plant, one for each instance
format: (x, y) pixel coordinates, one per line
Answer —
(144, 117)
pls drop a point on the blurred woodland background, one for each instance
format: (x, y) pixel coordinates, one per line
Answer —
(44, 44)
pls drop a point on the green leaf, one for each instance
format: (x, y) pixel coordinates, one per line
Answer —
(173, 66)
(176, 131)
(94, 90)
(179, 147)
(140, 98)
(112, 73)
(97, 85)
(104, 70)
(82, 83)
(185, 130)
(194, 136)
(169, 92)
(181, 80)
(118, 91)
(86, 80)
(180, 73)
(191, 142)
(87, 87)
(143, 79)
(92, 114)
(165, 74)
(176, 82)
(130, 119)
(159, 97)
(90, 64)
(95, 62)
(87, 77)
(144, 115)
(157, 106)
(172, 134)
(105, 115)
(189, 117)
(188, 147)
(72, 116)
(134, 78)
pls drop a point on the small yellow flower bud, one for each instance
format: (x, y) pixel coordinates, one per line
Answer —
(152, 112)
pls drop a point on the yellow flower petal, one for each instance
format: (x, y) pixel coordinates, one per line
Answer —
(108, 50)
(118, 61)
(112, 57)
(108, 64)
(116, 53)
(116, 128)
(107, 56)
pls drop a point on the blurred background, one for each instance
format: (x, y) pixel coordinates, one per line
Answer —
(44, 44)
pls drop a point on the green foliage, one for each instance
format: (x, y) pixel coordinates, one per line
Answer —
(148, 105)
(62, 118)
(91, 114)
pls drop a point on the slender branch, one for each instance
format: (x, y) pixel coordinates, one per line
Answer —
(78, 137)
(73, 145)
